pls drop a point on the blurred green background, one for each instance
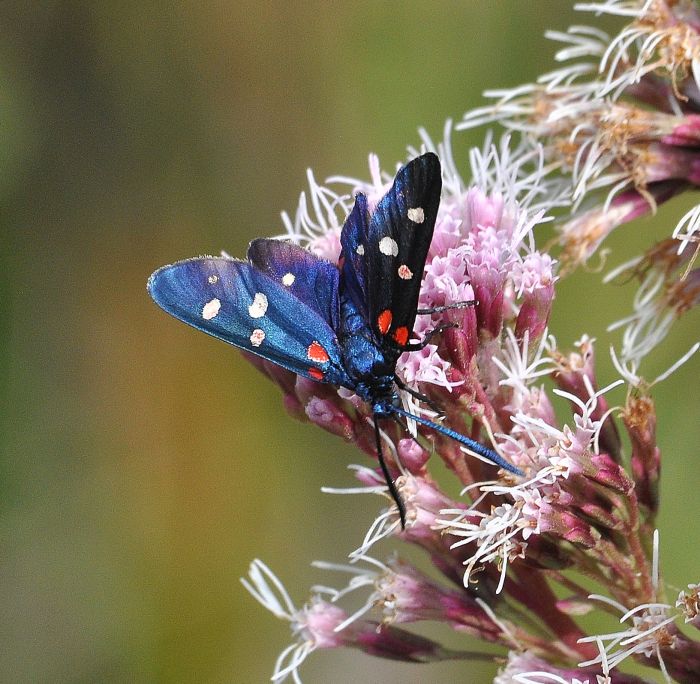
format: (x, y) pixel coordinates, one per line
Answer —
(143, 465)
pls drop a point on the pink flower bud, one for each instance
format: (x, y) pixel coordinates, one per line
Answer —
(568, 526)
(461, 343)
(329, 417)
(534, 314)
(413, 456)
(407, 595)
(605, 471)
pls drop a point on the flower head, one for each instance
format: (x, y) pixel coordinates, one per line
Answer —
(621, 116)
(321, 624)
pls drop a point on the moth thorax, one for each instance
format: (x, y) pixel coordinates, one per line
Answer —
(382, 408)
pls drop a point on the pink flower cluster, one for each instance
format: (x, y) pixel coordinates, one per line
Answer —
(509, 553)
(508, 541)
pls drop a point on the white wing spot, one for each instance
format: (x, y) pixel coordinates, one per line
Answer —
(405, 272)
(288, 279)
(257, 337)
(388, 246)
(211, 309)
(417, 215)
(360, 250)
(259, 306)
(213, 279)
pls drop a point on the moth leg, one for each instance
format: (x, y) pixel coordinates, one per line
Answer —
(447, 307)
(387, 475)
(417, 395)
(417, 346)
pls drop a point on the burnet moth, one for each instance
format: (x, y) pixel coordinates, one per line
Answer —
(345, 324)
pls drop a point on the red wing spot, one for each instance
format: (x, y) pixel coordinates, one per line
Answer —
(317, 353)
(384, 321)
(315, 373)
(401, 335)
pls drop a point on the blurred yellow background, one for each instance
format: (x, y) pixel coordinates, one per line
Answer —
(143, 464)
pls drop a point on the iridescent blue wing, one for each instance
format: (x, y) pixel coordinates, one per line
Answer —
(237, 303)
(353, 264)
(312, 280)
(398, 239)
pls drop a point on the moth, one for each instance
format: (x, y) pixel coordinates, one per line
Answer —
(342, 323)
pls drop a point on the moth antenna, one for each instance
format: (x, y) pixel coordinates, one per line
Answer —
(477, 448)
(387, 475)
(417, 346)
(446, 307)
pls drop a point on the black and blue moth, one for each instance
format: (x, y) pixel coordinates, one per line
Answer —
(345, 324)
